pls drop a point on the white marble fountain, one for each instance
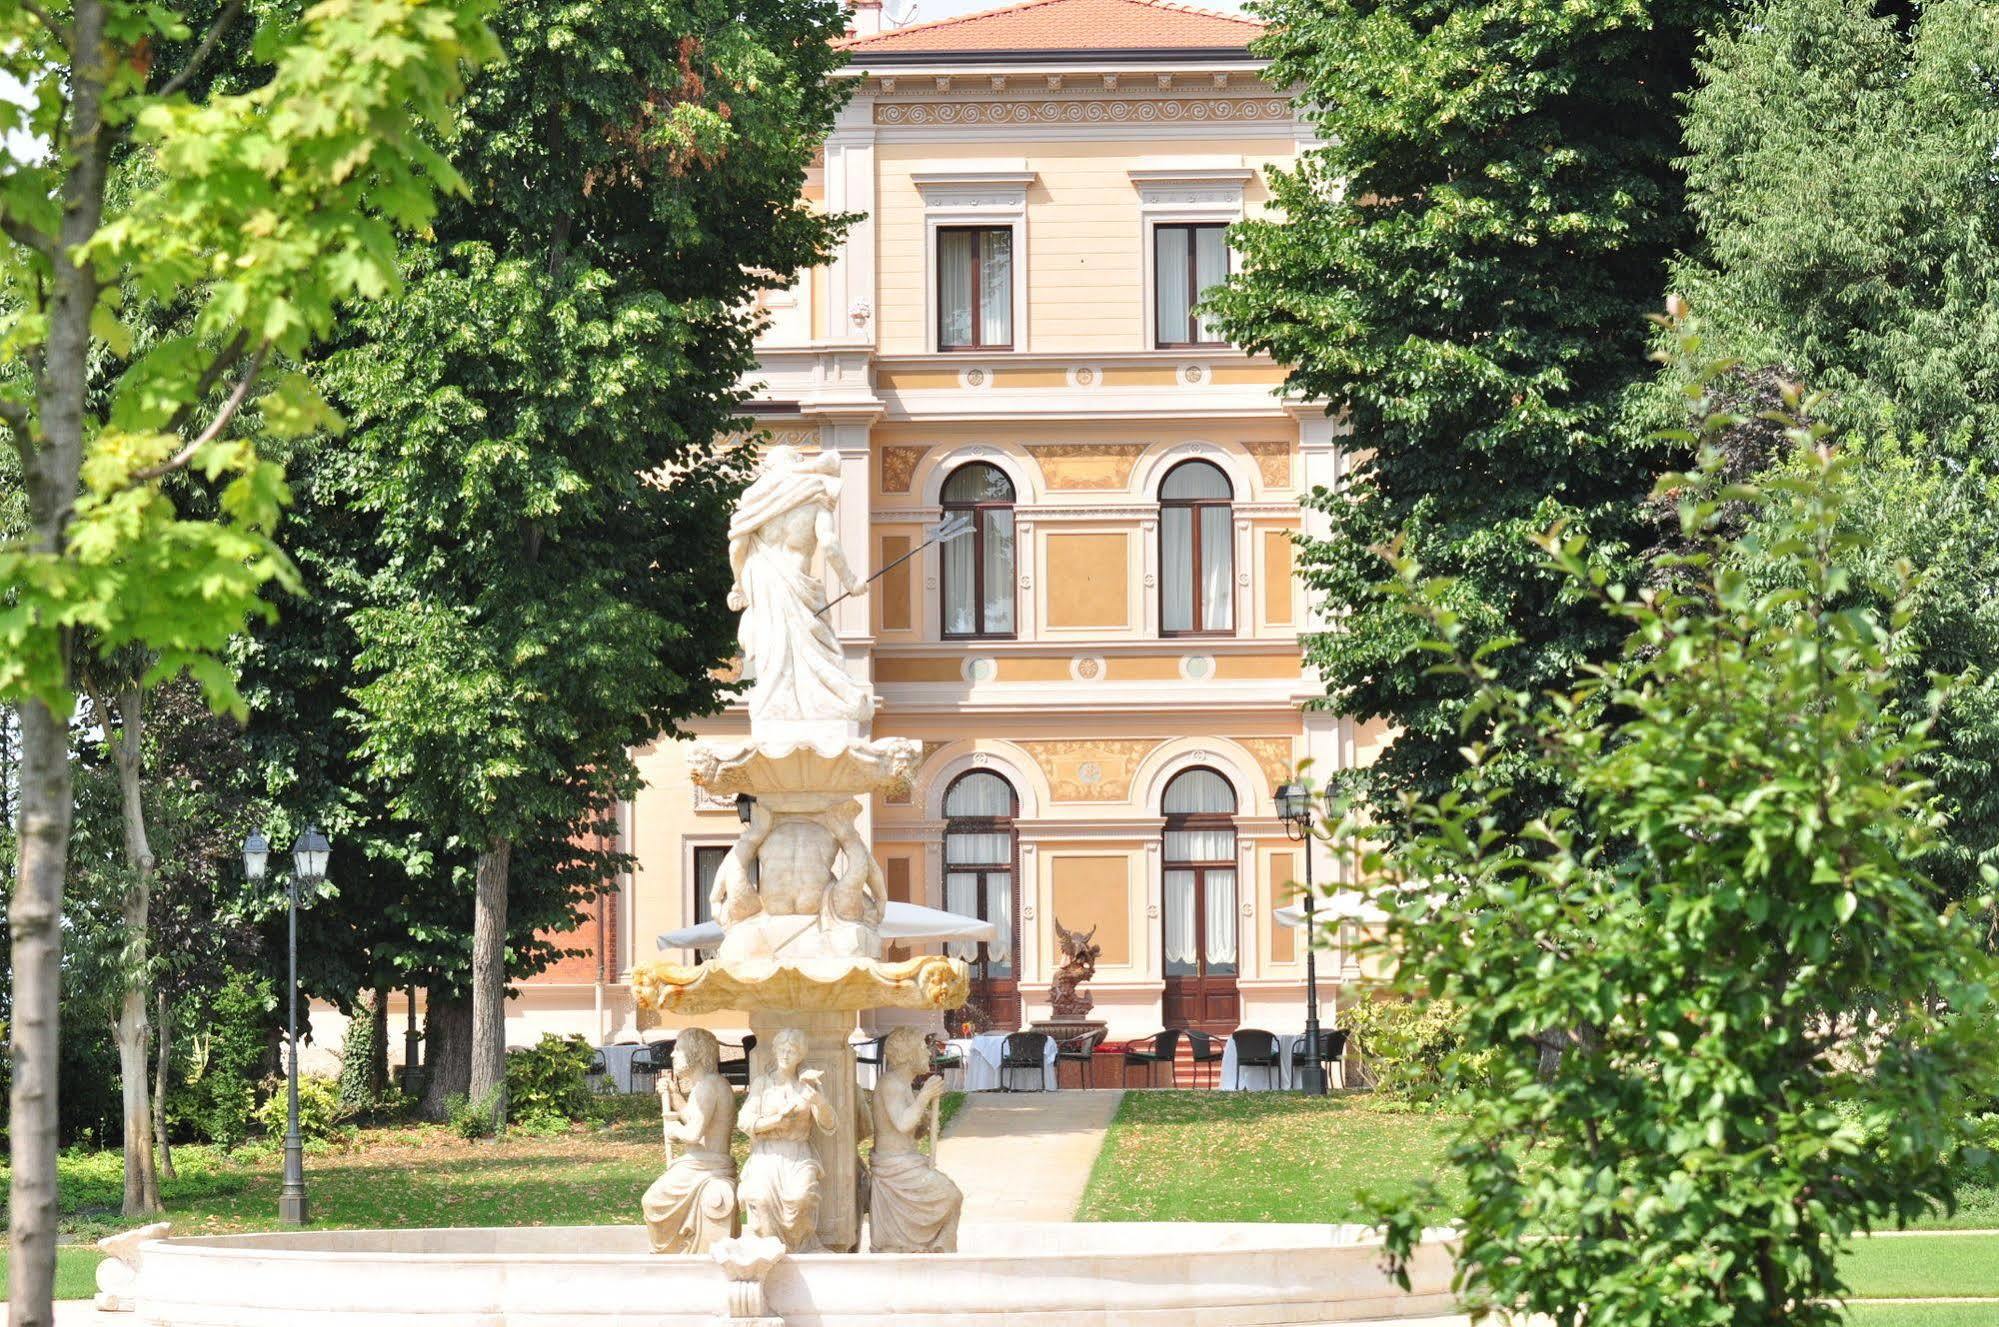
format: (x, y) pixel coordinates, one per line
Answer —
(801, 905)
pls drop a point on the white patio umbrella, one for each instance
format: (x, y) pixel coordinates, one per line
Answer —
(1346, 905)
(900, 921)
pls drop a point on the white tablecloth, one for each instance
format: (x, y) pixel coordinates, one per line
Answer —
(982, 1055)
(618, 1063)
(1291, 1058)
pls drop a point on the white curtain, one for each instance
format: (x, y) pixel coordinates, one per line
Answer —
(998, 536)
(999, 911)
(960, 588)
(1170, 250)
(1179, 919)
(981, 849)
(1176, 569)
(1217, 569)
(1211, 268)
(1221, 922)
(1200, 845)
(982, 795)
(1198, 792)
(955, 265)
(996, 290)
(961, 895)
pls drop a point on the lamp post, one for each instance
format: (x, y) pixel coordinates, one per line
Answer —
(1294, 808)
(309, 856)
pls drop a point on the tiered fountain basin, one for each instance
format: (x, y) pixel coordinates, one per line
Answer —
(1135, 1274)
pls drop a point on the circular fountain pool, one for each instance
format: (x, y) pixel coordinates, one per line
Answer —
(1022, 1275)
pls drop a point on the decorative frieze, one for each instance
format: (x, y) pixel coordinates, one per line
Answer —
(1272, 756)
(1093, 770)
(1095, 110)
(899, 467)
(1273, 462)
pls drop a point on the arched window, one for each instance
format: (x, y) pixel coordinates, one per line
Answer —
(979, 841)
(1196, 551)
(1198, 900)
(978, 571)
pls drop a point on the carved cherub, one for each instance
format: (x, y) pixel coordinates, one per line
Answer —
(1080, 953)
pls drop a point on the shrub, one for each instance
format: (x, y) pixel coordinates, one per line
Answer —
(471, 1119)
(1406, 1047)
(550, 1079)
(319, 1109)
(238, 1017)
(357, 1062)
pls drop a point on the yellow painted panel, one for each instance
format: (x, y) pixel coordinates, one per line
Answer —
(1160, 377)
(1032, 378)
(1034, 670)
(906, 380)
(1283, 939)
(1277, 577)
(893, 594)
(919, 669)
(1144, 668)
(1242, 667)
(1236, 375)
(1088, 581)
(1094, 891)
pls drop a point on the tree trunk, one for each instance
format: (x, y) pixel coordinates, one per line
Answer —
(162, 1025)
(52, 461)
(378, 1058)
(489, 980)
(142, 1186)
(447, 1057)
(37, 960)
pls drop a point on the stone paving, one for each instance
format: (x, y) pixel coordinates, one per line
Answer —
(1025, 1156)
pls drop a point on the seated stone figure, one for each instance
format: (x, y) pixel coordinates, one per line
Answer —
(781, 1181)
(912, 1206)
(693, 1205)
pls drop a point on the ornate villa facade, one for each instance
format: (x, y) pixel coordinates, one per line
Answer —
(1105, 676)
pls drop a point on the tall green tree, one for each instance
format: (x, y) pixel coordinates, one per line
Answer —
(536, 419)
(263, 213)
(1462, 267)
(1839, 167)
(1772, 1037)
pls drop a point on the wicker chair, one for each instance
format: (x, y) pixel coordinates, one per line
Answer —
(1257, 1049)
(1203, 1049)
(1165, 1049)
(1024, 1052)
(736, 1071)
(649, 1063)
(1081, 1050)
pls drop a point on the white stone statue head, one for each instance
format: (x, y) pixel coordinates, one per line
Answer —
(787, 1049)
(907, 1052)
(695, 1053)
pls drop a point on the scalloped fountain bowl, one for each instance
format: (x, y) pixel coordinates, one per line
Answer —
(1022, 1275)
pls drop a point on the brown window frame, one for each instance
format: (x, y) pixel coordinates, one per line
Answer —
(1194, 507)
(976, 346)
(1193, 283)
(981, 978)
(977, 511)
(1198, 820)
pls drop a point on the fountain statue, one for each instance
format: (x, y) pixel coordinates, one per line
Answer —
(1080, 952)
(692, 1207)
(800, 898)
(912, 1206)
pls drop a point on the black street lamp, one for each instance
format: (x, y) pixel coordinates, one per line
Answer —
(309, 856)
(1294, 808)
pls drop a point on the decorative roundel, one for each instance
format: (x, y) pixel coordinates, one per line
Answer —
(1089, 774)
(981, 759)
(975, 377)
(1197, 667)
(1193, 373)
(1086, 377)
(981, 669)
(1088, 668)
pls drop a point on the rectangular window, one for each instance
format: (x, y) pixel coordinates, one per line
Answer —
(975, 288)
(1188, 262)
(707, 865)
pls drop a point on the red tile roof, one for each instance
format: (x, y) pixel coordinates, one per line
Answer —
(1069, 25)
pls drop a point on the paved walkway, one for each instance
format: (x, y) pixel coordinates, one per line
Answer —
(1025, 1156)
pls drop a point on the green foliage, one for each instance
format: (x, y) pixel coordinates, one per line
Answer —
(259, 213)
(320, 1110)
(548, 1081)
(1462, 266)
(1840, 168)
(239, 1016)
(471, 1119)
(1758, 1033)
(357, 1063)
(1406, 1047)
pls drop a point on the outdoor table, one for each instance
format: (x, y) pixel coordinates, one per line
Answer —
(618, 1063)
(1290, 1059)
(982, 1056)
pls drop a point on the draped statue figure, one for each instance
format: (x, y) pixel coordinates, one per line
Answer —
(782, 526)
(912, 1206)
(779, 1192)
(693, 1205)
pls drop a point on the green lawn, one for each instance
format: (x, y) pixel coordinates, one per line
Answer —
(1255, 1156)
(1921, 1266)
(1923, 1315)
(76, 1272)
